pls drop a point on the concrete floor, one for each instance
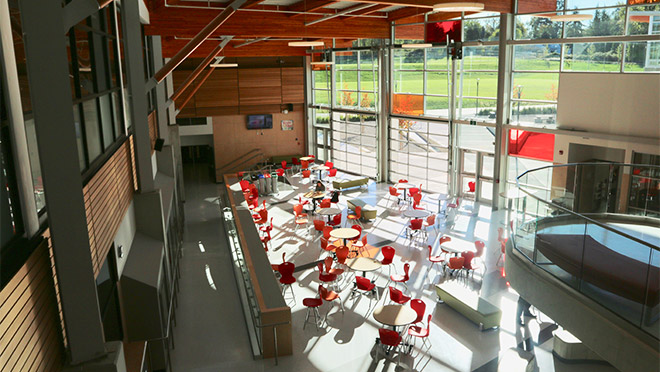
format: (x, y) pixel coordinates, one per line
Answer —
(211, 334)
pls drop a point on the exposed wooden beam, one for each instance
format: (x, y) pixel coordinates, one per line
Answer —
(268, 48)
(253, 4)
(345, 11)
(373, 9)
(309, 6)
(402, 13)
(202, 35)
(503, 6)
(196, 88)
(184, 85)
(182, 22)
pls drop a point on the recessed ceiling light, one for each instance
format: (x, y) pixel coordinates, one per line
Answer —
(416, 46)
(224, 65)
(458, 7)
(305, 43)
(570, 17)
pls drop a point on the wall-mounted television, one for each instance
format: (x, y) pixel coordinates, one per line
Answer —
(260, 121)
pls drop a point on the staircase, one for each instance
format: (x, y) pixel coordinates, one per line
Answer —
(252, 159)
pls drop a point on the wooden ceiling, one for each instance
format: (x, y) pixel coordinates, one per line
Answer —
(281, 21)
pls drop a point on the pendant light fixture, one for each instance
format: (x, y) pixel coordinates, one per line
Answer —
(218, 64)
(304, 43)
(576, 17)
(417, 46)
(458, 7)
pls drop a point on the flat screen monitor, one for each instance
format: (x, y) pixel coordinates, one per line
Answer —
(259, 121)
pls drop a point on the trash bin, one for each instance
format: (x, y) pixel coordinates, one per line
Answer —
(269, 184)
(274, 179)
(261, 185)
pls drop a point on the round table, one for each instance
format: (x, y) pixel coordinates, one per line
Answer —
(315, 195)
(395, 315)
(319, 168)
(344, 233)
(514, 193)
(363, 264)
(404, 186)
(307, 158)
(416, 213)
(456, 247)
(442, 201)
(328, 212)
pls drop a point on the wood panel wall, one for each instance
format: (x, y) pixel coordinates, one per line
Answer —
(107, 197)
(30, 333)
(152, 120)
(244, 91)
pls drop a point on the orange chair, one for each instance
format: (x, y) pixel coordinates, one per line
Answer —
(456, 264)
(417, 199)
(325, 203)
(326, 231)
(394, 192)
(328, 261)
(263, 217)
(325, 246)
(284, 166)
(329, 296)
(444, 240)
(356, 216)
(430, 222)
(306, 173)
(304, 164)
(245, 185)
(403, 181)
(342, 254)
(324, 275)
(415, 227)
(332, 172)
(435, 259)
(414, 190)
(358, 228)
(329, 164)
(360, 246)
(471, 188)
(398, 297)
(403, 279)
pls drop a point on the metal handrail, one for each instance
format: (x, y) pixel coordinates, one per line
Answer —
(242, 157)
(582, 216)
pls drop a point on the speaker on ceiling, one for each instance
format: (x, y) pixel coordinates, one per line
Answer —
(158, 146)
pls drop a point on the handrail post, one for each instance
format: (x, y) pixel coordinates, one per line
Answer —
(275, 344)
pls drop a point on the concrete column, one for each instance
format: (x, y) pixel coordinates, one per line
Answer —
(136, 92)
(52, 106)
(503, 101)
(383, 116)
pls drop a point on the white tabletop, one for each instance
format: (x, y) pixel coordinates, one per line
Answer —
(319, 167)
(363, 264)
(416, 213)
(405, 185)
(513, 193)
(458, 246)
(440, 196)
(344, 233)
(328, 211)
(306, 158)
(395, 315)
(315, 194)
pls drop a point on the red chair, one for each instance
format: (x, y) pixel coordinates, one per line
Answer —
(415, 227)
(364, 286)
(306, 173)
(329, 164)
(263, 217)
(267, 229)
(277, 267)
(254, 204)
(280, 172)
(420, 308)
(430, 222)
(403, 181)
(444, 240)
(300, 217)
(328, 261)
(356, 216)
(397, 296)
(329, 296)
(319, 225)
(324, 276)
(326, 232)
(414, 190)
(336, 221)
(417, 199)
(456, 264)
(341, 254)
(454, 206)
(467, 262)
(295, 162)
(403, 279)
(435, 259)
(286, 270)
(500, 235)
(360, 245)
(471, 189)
(394, 192)
(325, 246)
(325, 203)
(304, 164)
(423, 333)
(332, 172)
(284, 166)
(302, 202)
(245, 185)
(502, 253)
(390, 341)
(312, 305)
(388, 255)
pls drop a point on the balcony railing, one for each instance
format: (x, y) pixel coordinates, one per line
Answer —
(597, 230)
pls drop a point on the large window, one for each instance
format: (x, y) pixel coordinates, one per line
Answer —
(321, 85)
(96, 86)
(355, 143)
(418, 152)
(477, 83)
(356, 79)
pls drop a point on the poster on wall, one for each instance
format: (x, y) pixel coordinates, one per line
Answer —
(287, 124)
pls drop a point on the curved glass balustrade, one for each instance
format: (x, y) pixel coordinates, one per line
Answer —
(597, 229)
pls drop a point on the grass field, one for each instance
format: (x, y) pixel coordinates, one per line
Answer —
(409, 78)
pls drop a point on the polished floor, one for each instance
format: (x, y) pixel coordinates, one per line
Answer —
(210, 334)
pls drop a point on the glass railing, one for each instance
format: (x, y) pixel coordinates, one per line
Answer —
(591, 230)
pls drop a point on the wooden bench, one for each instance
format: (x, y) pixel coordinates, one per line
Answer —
(473, 307)
(346, 184)
(368, 212)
